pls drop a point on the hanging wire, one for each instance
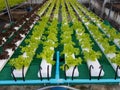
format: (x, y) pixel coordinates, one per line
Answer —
(116, 72)
(23, 73)
(73, 71)
(12, 68)
(65, 66)
(91, 67)
(100, 72)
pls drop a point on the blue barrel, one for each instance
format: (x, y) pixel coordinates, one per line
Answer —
(58, 88)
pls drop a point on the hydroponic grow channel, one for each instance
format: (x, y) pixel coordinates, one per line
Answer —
(60, 43)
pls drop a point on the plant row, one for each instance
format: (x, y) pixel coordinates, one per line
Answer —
(90, 55)
(17, 33)
(109, 49)
(32, 43)
(109, 31)
(49, 41)
(69, 49)
(10, 2)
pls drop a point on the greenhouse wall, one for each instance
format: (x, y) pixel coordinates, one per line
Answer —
(35, 1)
(113, 15)
(84, 1)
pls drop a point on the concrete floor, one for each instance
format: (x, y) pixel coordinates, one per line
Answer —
(79, 87)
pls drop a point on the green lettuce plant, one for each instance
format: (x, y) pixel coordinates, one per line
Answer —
(50, 43)
(91, 55)
(71, 62)
(47, 54)
(70, 49)
(110, 49)
(19, 62)
(116, 59)
(52, 37)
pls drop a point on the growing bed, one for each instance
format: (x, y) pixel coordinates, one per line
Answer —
(62, 44)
